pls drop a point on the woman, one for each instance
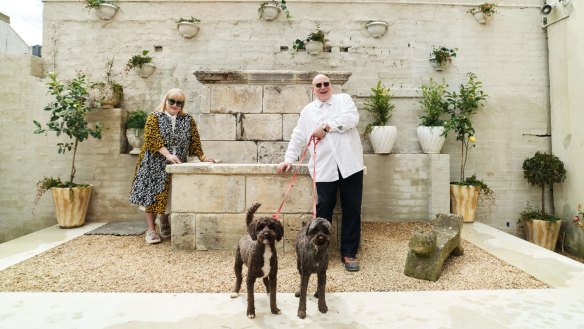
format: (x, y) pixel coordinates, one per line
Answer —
(170, 135)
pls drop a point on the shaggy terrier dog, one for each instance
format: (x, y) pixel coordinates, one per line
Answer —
(312, 257)
(257, 250)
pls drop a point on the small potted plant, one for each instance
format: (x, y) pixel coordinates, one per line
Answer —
(462, 106)
(431, 128)
(105, 9)
(484, 12)
(543, 170)
(269, 10)
(382, 137)
(106, 94)
(68, 117)
(135, 129)
(315, 42)
(441, 57)
(376, 29)
(143, 62)
(188, 27)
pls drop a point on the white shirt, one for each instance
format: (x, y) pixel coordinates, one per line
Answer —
(341, 147)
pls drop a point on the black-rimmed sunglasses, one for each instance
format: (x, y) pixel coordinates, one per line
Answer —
(325, 84)
(171, 102)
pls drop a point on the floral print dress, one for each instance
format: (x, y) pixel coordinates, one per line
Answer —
(151, 181)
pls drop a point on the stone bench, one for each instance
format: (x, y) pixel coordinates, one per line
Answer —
(429, 248)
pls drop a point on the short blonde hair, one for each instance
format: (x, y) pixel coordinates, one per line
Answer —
(169, 94)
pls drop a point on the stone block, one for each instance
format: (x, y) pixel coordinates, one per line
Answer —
(270, 190)
(289, 121)
(429, 247)
(231, 151)
(183, 233)
(271, 152)
(286, 99)
(234, 99)
(216, 127)
(222, 194)
(219, 231)
(267, 127)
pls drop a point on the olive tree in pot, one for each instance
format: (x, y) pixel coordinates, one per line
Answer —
(382, 137)
(543, 170)
(68, 117)
(135, 129)
(431, 129)
(462, 106)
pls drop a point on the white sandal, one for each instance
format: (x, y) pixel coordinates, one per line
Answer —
(152, 237)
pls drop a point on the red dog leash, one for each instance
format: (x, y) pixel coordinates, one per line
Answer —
(311, 140)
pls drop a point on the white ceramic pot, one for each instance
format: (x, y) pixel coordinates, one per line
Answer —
(187, 29)
(135, 139)
(431, 139)
(106, 11)
(314, 47)
(270, 12)
(377, 29)
(146, 70)
(382, 138)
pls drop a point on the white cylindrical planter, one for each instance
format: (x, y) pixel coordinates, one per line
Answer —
(431, 139)
(377, 29)
(146, 70)
(187, 29)
(382, 138)
(314, 47)
(270, 12)
(106, 11)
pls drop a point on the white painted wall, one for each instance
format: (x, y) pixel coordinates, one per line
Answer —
(10, 41)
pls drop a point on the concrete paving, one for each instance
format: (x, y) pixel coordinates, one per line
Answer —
(559, 307)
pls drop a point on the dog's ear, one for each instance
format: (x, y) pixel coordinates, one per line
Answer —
(279, 229)
(252, 230)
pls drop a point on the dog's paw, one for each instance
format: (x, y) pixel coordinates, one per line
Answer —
(323, 309)
(234, 295)
(302, 314)
(297, 294)
(251, 316)
(276, 310)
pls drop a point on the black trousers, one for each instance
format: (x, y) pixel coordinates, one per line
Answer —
(351, 194)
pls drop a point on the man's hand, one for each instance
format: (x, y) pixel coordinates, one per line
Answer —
(319, 133)
(283, 166)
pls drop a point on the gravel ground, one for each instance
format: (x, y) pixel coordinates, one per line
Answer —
(102, 263)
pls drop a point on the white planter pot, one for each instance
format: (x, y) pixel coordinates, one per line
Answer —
(270, 12)
(430, 139)
(146, 70)
(106, 11)
(382, 138)
(135, 139)
(438, 66)
(187, 29)
(481, 18)
(377, 29)
(314, 47)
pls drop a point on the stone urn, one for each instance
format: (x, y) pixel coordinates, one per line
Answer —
(464, 200)
(314, 47)
(106, 11)
(431, 139)
(269, 11)
(542, 232)
(376, 29)
(135, 139)
(481, 17)
(438, 66)
(187, 29)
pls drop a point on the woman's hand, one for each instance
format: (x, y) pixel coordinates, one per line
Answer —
(208, 160)
(173, 159)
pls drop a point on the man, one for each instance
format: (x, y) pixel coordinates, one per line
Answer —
(333, 119)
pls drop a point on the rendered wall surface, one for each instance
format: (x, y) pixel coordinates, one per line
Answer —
(509, 55)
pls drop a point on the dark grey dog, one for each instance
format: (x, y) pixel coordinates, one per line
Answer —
(312, 257)
(257, 250)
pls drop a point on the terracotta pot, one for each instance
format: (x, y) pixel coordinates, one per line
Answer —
(71, 205)
(464, 200)
(543, 233)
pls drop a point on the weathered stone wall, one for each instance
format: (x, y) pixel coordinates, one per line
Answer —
(509, 55)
